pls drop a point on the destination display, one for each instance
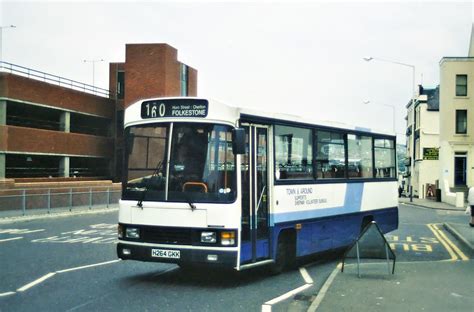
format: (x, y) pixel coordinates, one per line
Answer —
(174, 108)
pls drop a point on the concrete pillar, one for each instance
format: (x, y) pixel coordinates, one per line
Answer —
(2, 166)
(64, 165)
(3, 121)
(65, 121)
(3, 112)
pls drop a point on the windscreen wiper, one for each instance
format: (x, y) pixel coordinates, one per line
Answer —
(188, 199)
(193, 206)
(142, 197)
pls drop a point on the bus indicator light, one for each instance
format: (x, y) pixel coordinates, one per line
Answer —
(227, 238)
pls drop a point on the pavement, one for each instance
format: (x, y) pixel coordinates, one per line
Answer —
(38, 214)
(427, 203)
(415, 286)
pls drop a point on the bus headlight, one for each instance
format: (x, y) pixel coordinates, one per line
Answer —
(131, 232)
(208, 237)
(228, 238)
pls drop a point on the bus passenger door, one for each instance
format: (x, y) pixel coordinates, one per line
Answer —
(255, 199)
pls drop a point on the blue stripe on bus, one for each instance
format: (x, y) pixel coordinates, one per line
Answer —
(336, 231)
(317, 235)
(352, 203)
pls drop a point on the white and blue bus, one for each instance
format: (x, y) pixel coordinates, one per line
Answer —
(210, 184)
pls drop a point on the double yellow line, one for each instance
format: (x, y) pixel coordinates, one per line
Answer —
(453, 250)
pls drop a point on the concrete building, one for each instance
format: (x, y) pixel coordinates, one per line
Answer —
(48, 129)
(440, 132)
(457, 124)
(423, 142)
(58, 129)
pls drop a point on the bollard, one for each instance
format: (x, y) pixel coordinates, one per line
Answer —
(108, 197)
(70, 199)
(49, 200)
(90, 197)
(24, 202)
(411, 193)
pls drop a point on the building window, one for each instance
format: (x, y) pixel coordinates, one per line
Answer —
(417, 118)
(360, 156)
(32, 166)
(417, 149)
(184, 80)
(293, 153)
(120, 85)
(330, 155)
(461, 85)
(461, 121)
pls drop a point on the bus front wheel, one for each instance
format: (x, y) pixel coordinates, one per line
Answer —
(285, 254)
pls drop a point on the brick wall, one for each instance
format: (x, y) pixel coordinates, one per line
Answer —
(22, 88)
(29, 140)
(152, 70)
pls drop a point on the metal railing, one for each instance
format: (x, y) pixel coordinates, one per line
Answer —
(53, 79)
(48, 200)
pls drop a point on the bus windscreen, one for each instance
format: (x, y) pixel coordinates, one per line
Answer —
(201, 166)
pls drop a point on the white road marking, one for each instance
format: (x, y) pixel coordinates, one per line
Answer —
(8, 293)
(287, 295)
(10, 239)
(88, 266)
(19, 231)
(306, 276)
(267, 306)
(36, 282)
(324, 289)
(34, 231)
(49, 275)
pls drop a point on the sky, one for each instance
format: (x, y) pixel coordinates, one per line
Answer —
(303, 58)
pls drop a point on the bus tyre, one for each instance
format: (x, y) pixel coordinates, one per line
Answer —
(281, 259)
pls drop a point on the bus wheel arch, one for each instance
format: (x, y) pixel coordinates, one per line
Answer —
(285, 254)
(366, 220)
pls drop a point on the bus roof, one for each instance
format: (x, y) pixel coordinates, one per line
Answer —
(230, 114)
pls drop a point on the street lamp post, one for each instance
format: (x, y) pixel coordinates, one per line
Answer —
(1, 43)
(412, 156)
(93, 68)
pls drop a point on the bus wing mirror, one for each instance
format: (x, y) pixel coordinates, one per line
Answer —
(238, 141)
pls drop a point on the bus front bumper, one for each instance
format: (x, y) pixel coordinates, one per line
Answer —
(177, 254)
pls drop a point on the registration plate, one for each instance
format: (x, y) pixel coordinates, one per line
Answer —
(165, 253)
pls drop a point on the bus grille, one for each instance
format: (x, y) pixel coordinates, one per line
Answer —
(160, 235)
